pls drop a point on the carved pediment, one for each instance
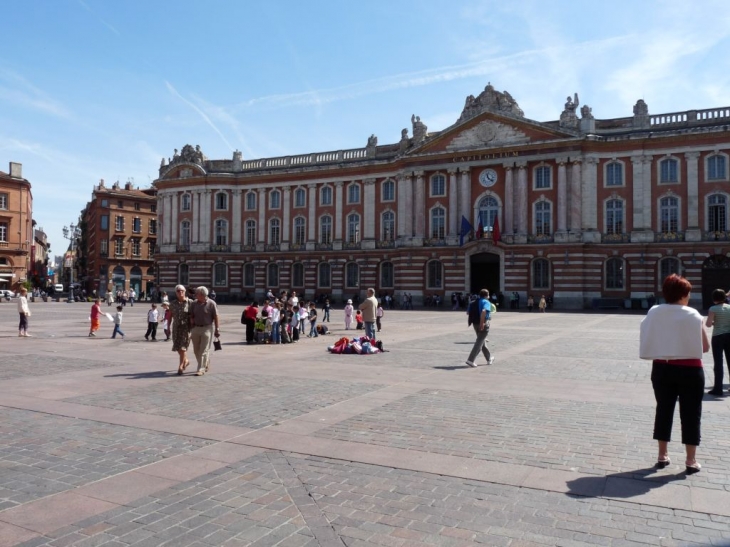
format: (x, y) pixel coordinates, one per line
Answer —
(487, 133)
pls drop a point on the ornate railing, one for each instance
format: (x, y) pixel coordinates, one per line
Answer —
(297, 246)
(669, 236)
(615, 238)
(272, 247)
(434, 242)
(386, 244)
(220, 248)
(323, 246)
(541, 238)
(716, 236)
(248, 248)
(351, 246)
(182, 248)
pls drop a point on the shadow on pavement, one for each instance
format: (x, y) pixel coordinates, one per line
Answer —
(143, 375)
(626, 484)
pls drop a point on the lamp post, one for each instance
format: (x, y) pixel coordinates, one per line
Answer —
(71, 233)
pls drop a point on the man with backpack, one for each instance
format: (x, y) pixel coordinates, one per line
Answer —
(480, 312)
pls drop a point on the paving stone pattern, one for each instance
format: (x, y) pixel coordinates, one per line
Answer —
(23, 365)
(296, 501)
(594, 438)
(245, 400)
(41, 454)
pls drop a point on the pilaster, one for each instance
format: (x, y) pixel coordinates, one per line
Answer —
(312, 220)
(509, 197)
(465, 205)
(419, 209)
(338, 214)
(368, 210)
(522, 212)
(453, 227)
(236, 219)
(562, 196)
(263, 228)
(589, 175)
(576, 198)
(693, 231)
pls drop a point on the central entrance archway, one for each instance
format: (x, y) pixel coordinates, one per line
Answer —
(484, 272)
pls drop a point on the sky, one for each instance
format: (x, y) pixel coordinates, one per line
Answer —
(100, 89)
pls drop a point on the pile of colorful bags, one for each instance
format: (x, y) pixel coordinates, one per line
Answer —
(361, 346)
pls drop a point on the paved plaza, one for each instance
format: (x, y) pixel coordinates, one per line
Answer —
(102, 444)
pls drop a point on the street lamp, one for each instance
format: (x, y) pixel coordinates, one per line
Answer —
(72, 233)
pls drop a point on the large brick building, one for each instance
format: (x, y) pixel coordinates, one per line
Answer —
(16, 227)
(116, 249)
(584, 208)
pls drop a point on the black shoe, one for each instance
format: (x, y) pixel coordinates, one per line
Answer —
(716, 392)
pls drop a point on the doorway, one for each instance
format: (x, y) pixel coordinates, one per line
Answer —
(715, 275)
(484, 273)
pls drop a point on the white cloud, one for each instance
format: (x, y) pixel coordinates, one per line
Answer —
(15, 89)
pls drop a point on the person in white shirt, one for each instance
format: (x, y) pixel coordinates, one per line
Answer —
(153, 316)
(23, 312)
(673, 337)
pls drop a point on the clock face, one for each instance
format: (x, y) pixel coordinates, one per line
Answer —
(488, 177)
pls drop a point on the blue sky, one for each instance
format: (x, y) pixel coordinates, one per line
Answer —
(93, 89)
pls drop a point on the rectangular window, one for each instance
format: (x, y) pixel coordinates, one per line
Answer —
(119, 223)
(353, 194)
(250, 233)
(326, 196)
(136, 247)
(389, 190)
(4, 232)
(4, 202)
(105, 203)
(120, 204)
(274, 200)
(185, 202)
(438, 185)
(137, 225)
(104, 222)
(153, 227)
(668, 171)
(153, 208)
(137, 207)
(151, 249)
(542, 177)
(104, 247)
(119, 247)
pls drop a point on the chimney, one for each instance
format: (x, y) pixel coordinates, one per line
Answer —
(16, 170)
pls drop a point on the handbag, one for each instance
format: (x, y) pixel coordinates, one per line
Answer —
(217, 344)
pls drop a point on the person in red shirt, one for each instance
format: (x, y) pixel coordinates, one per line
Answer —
(95, 315)
(249, 319)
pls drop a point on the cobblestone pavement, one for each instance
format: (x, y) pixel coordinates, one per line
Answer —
(102, 444)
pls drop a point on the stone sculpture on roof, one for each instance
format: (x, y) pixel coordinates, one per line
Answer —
(568, 118)
(419, 129)
(490, 100)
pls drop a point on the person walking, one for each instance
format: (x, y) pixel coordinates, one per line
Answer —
(23, 312)
(312, 320)
(673, 338)
(348, 314)
(275, 318)
(379, 313)
(132, 296)
(205, 327)
(542, 304)
(153, 317)
(480, 312)
(166, 316)
(118, 323)
(369, 308)
(326, 311)
(718, 317)
(181, 312)
(95, 315)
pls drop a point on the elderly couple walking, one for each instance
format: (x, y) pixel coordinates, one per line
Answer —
(193, 321)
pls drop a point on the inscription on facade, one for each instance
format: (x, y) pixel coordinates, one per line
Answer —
(491, 156)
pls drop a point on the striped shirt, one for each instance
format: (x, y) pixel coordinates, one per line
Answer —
(721, 323)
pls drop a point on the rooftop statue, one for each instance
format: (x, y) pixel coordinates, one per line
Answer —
(490, 100)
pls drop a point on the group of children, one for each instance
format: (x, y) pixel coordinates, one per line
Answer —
(280, 323)
(154, 318)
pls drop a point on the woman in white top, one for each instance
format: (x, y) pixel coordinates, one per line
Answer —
(674, 338)
(24, 312)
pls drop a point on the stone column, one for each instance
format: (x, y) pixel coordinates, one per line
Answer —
(419, 208)
(693, 231)
(263, 228)
(236, 213)
(454, 218)
(509, 196)
(173, 216)
(589, 205)
(338, 211)
(403, 215)
(465, 205)
(206, 213)
(368, 208)
(648, 208)
(312, 220)
(161, 214)
(286, 214)
(575, 197)
(638, 192)
(562, 196)
(195, 210)
(522, 212)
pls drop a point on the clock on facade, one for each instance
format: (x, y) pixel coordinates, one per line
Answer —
(488, 178)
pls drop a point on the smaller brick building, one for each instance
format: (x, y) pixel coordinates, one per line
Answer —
(16, 227)
(118, 239)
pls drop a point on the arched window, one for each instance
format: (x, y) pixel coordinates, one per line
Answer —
(251, 201)
(324, 275)
(543, 177)
(251, 233)
(272, 275)
(614, 174)
(388, 190)
(183, 274)
(717, 213)
(297, 274)
(221, 232)
(185, 202)
(185, 233)
(300, 236)
(669, 215)
(668, 266)
(488, 211)
(353, 228)
(220, 274)
(438, 185)
(353, 193)
(540, 273)
(249, 275)
(434, 275)
(717, 167)
(615, 273)
(274, 231)
(543, 218)
(438, 223)
(352, 275)
(387, 275)
(325, 196)
(325, 230)
(614, 216)
(300, 197)
(221, 201)
(668, 170)
(388, 223)
(275, 199)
